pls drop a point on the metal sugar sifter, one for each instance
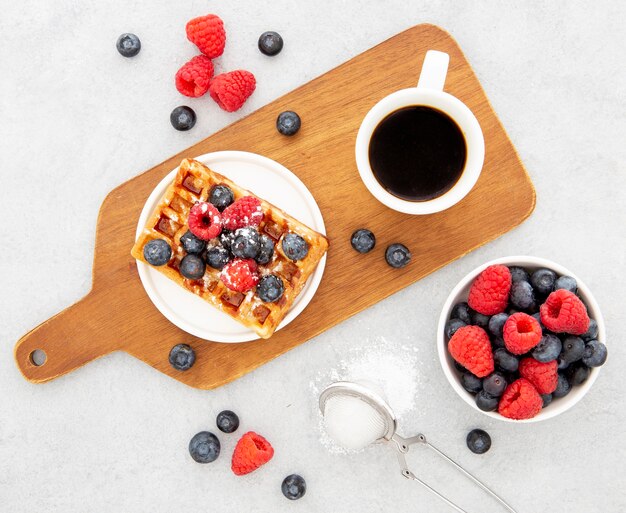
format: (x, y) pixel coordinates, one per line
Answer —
(356, 414)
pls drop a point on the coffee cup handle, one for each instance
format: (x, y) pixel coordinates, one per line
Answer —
(434, 70)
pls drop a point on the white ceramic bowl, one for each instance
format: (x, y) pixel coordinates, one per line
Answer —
(460, 292)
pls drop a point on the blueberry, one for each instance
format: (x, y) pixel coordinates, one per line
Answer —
(226, 238)
(519, 274)
(270, 43)
(293, 487)
(182, 357)
(563, 387)
(471, 383)
(567, 283)
(192, 244)
(478, 441)
(592, 331)
(270, 288)
(183, 118)
(497, 342)
(452, 326)
(548, 348)
(573, 349)
(595, 354)
(543, 281)
(505, 360)
(461, 311)
(459, 367)
(537, 316)
(363, 240)
(562, 364)
(128, 45)
(217, 257)
(288, 123)
(221, 196)
(578, 373)
(496, 323)
(157, 252)
(295, 247)
(227, 421)
(486, 402)
(522, 295)
(494, 384)
(246, 244)
(479, 319)
(547, 399)
(266, 250)
(192, 267)
(397, 255)
(204, 447)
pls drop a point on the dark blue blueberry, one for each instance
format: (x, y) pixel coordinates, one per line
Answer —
(288, 123)
(452, 326)
(496, 323)
(293, 487)
(363, 240)
(505, 360)
(459, 367)
(537, 316)
(547, 399)
(595, 354)
(577, 373)
(592, 331)
(462, 311)
(270, 43)
(567, 283)
(548, 349)
(227, 421)
(270, 288)
(157, 252)
(543, 281)
(494, 384)
(221, 196)
(562, 387)
(192, 244)
(522, 296)
(226, 238)
(183, 118)
(497, 342)
(182, 357)
(478, 441)
(486, 402)
(246, 243)
(481, 320)
(471, 383)
(573, 349)
(562, 364)
(266, 250)
(397, 255)
(192, 267)
(519, 274)
(128, 45)
(204, 447)
(295, 247)
(217, 257)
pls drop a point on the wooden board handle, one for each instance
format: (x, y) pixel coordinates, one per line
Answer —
(68, 340)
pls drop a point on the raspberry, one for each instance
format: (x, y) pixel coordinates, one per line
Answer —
(205, 221)
(194, 77)
(564, 312)
(231, 90)
(245, 211)
(543, 376)
(250, 453)
(521, 333)
(520, 401)
(240, 275)
(470, 347)
(489, 294)
(208, 34)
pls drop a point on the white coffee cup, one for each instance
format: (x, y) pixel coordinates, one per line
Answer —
(429, 93)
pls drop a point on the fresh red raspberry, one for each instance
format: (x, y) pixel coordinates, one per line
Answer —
(251, 451)
(543, 376)
(208, 34)
(231, 90)
(194, 78)
(470, 347)
(245, 211)
(521, 332)
(205, 221)
(240, 275)
(489, 294)
(564, 312)
(520, 401)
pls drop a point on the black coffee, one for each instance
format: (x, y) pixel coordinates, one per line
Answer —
(417, 153)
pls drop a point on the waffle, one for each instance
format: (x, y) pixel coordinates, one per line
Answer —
(193, 183)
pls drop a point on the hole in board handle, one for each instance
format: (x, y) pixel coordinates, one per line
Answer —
(37, 357)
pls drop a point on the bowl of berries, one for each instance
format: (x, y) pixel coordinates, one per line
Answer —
(521, 339)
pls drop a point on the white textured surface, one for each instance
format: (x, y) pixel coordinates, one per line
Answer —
(76, 120)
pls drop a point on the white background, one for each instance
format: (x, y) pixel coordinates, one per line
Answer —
(77, 119)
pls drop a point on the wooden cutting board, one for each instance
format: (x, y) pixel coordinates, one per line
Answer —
(117, 314)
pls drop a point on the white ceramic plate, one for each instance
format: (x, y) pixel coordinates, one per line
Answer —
(268, 180)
